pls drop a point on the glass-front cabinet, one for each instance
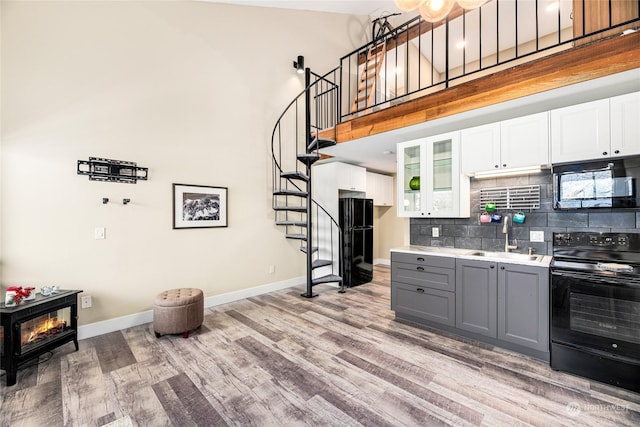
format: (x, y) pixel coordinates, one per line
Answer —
(412, 171)
(429, 178)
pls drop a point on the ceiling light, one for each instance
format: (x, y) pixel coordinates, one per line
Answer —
(508, 172)
(471, 4)
(436, 10)
(553, 6)
(408, 5)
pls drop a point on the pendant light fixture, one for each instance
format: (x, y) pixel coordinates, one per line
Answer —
(408, 5)
(471, 4)
(436, 10)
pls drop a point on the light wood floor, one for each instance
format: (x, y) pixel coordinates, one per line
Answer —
(281, 360)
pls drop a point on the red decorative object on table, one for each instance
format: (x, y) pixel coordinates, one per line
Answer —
(15, 294)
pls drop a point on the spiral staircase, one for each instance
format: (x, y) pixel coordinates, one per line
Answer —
(306, 126)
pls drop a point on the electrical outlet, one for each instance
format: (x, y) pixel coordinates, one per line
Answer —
(435, 231)
(272, 269)
(85, 301)
(99, 233)
(536, 236)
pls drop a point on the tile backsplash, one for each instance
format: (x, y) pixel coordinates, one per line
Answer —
(469, 233)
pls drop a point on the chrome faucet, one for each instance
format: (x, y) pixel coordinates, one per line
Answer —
(505, 231)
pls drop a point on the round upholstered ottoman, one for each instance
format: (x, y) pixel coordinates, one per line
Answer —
(178, 311)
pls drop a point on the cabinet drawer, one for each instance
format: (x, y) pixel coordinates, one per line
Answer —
(434, 261)
(429, 304)
(424, 276)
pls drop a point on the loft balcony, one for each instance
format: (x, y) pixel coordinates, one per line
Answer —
(504, 51)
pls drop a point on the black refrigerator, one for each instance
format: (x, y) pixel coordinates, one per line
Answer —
(356, 221)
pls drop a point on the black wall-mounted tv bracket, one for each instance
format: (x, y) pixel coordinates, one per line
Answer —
(112, 170)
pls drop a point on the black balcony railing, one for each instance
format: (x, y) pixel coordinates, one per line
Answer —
(420, 57)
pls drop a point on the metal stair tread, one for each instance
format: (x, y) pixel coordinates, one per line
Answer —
(308, 156)
(329, 278)
(319, 143)
(295, 223)
(296, 236)
(304, 249)
(290, 208)
(295, 175)
(295, 193)
(317, 263)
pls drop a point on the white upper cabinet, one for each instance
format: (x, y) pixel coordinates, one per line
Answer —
(596, 130)
(514, 143)
(625, 124)
(380, 189)
(351, 177)
(580, 132)
(524, 141)
(430, 183)
(481, 148)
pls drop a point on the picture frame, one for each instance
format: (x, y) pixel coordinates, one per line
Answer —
(199, 206)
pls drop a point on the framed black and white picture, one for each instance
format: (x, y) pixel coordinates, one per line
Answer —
(199, 206)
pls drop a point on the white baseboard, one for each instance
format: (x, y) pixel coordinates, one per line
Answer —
(382, 261)
(123, 322)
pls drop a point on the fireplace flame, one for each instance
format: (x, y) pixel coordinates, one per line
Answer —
(47, 327)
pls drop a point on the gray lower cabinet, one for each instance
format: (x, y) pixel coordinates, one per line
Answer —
(523, 305)
(509, 302)
(477, 297)
(425, 303)
(499, 303)
(423, 287)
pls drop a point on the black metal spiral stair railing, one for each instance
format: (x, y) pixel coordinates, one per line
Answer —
(296, 139)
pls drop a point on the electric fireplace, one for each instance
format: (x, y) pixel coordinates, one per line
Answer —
(35, 327)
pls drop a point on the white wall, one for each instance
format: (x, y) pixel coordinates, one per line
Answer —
(1, 258)
(190, 90)
(390, 230)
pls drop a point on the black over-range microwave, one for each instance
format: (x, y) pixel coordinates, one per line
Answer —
(597, 184)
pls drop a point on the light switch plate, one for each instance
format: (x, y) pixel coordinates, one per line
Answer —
(536, 236)
(435, 231)
(85, 301)
(98, 233)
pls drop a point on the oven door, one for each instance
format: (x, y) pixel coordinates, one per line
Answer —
(596, 312)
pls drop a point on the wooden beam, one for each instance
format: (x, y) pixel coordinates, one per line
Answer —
(583, 63)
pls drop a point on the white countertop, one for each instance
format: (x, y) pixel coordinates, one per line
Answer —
(479, 255)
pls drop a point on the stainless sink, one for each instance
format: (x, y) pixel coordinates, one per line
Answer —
(507, 255)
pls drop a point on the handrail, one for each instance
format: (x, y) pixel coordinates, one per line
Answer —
(293, 126)
(294, 102)
(420, 57)
(339, 234)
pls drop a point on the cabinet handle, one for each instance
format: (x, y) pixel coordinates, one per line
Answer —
(420, 290)
(496, 166)
(419, 259)
(493, 266)
(504, 165)
(501, 268)
(604, 153)
(617, 152)
(420, 268)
